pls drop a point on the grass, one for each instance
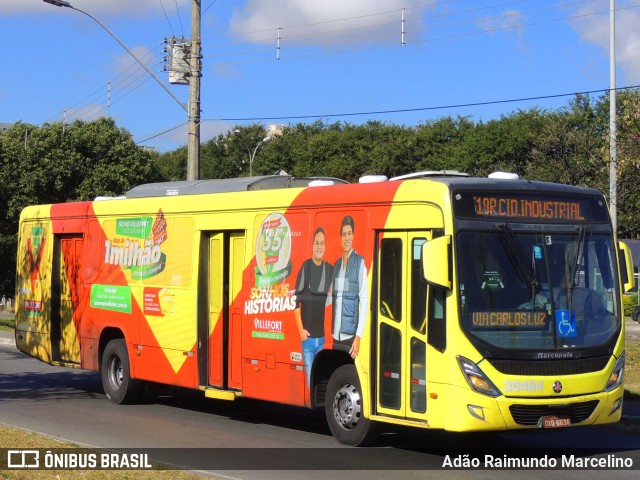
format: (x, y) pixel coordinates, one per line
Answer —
(7, 322)
(19, 439)
(632, 370)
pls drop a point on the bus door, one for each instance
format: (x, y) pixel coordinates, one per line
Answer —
(401, 326)
(65, 289)
(219, 320)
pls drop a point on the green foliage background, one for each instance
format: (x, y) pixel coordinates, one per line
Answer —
(55, 163)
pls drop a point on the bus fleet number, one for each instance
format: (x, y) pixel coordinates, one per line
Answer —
(511, 386)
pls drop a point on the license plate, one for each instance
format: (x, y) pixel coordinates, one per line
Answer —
(554, 422)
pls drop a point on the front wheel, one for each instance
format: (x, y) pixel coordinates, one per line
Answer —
(344, 409)
(115, 371)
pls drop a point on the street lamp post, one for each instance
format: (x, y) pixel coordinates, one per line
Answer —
(193, 109)
(62, 3)
(252, 156)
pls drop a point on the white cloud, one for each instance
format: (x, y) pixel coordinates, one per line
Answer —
(595, 29)
(325, 22)
(509, 20)
(137, 7)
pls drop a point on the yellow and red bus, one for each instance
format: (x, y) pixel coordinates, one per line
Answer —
(434, 300)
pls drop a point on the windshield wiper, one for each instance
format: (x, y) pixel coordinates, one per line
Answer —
(519, 258)
(582, 235)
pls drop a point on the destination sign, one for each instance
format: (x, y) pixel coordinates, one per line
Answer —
(520, 319)
(529, 207)
(524, 208)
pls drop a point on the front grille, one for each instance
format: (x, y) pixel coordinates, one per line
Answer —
(530, 414)
(550, 367)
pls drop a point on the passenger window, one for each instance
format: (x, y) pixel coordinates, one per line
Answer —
(391, 279)
(418, 288)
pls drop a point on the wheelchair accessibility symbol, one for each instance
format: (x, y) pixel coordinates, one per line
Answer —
(566, 323)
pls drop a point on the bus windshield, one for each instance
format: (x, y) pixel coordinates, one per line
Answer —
(537, 291)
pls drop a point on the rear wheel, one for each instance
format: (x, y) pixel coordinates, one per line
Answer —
(115, 371)
(344, 409)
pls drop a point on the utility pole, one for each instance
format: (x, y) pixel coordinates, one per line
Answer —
(193, 108)
(613, 148)
(193, 146)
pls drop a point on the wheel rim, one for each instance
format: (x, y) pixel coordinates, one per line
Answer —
(116, 372)
(347, 406)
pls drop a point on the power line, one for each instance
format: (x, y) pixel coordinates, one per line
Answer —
(132, 81)
(390, 44)
(419, 109)
(179, 18)
(345, 19)
(167, 17)
(397, 12)
(86, 107)
(162, 133)
(210, 5)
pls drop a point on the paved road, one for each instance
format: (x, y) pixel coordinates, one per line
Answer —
(632, 328)
(69, 404)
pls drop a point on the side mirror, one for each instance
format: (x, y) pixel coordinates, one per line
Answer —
(436, 262)
(626, 267)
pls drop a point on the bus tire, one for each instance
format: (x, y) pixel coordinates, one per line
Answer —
(344, 409)
(115, 372)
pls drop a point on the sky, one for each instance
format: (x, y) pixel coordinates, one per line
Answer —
(282, 62)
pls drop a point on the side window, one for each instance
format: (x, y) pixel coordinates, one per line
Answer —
(436, 330)
(391, 279)
(419, 288)
(418, 376)
(436, 320)
(390, 366)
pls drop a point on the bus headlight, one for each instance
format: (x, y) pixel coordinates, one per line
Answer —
(476, 378)
(615, 379)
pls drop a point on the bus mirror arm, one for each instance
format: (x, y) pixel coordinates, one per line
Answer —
(436, 261)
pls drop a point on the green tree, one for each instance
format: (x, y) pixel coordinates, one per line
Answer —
(172, 166)
(628, 160)
(504, 144)
(56, 163)
(440, 145)
(569, 148)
